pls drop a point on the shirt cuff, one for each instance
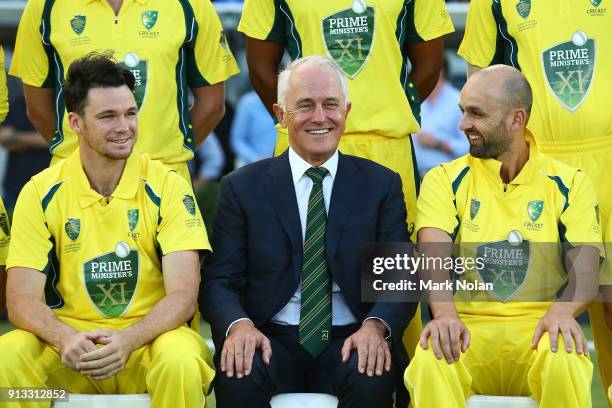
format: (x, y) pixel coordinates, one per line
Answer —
(246, 318)
(388, 334)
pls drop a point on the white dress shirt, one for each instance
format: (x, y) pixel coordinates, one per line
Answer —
(290, 314)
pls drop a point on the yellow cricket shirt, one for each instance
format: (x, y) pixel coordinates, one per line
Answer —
(103, 261)
(512, 228)
(5, 233)
(3, 89)
(169, 46)
(564, 50)
(367, 40)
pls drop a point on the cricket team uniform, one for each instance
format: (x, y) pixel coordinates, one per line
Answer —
(102, 263)
(367, 40)
(170, 46)
(565, 52)
(517, 230)
(3, 89)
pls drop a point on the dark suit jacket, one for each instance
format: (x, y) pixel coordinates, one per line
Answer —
(257, 244)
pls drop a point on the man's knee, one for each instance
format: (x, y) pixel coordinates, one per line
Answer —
(20, 349)
(254, 389)
(361, 387)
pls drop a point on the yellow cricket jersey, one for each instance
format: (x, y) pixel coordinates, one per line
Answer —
(169, 46)
(5, 233)
(103, 261)
(367, 40)
(564, 50)
(513, 229)
(3, 89)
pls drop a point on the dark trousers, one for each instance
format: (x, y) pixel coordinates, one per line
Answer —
(292, 369)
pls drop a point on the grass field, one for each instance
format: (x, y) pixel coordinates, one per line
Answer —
(599, 400)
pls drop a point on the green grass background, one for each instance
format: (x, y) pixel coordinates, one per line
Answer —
(597, 390)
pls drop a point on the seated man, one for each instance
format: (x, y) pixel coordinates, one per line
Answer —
(282, 290)
(514, 210)
(103, 265)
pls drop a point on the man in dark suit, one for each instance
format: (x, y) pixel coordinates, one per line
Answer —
(282, 289)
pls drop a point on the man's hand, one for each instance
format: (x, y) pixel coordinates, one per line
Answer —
(239, 349)
(372, 349)
(560, 318)
(446, 332)
(73, 346)
(108, 360)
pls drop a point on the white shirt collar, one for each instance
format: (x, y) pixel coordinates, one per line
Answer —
(299, 165)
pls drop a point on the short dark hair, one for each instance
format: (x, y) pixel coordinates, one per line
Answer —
(94, 70)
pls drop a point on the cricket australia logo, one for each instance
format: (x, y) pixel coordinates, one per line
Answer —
(523, 7)
(132, 218)
(189, 204)
(568, 68)
(149, 18)
(595, 3)
(73, 228)
(505, 267)
(474, 207)
(348, 36)
(78, 23)
(534, 209)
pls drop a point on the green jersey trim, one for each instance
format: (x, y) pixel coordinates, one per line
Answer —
(277, 32)
(562, 188)
(49, 196)
(506, 48)
(53, 298)
(55, 76)
(293, 42)
(155, 199)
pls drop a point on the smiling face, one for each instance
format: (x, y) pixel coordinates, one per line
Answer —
(485, 121)
(315, 112)
(108, 124)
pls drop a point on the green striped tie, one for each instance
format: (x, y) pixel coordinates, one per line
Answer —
(316, 308)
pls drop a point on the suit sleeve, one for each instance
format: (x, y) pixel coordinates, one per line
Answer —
(393, 228)
(225, 269)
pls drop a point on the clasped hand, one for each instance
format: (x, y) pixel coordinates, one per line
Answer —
(79, 352)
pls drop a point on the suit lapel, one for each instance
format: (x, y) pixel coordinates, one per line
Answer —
(347, 186)
(281, 191)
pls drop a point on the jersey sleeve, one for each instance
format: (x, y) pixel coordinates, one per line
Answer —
(260, 20)
(5, 234)
(3, 89)
(31, 242)
(209, 57)
(181, 227)
(580, 222)
(435, 208)
(30, 62)
(430, 20)
(480, 39)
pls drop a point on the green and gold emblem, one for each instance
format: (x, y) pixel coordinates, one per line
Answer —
(348, 36)
(73, 228)
(569, 69)
(149, 18)
(474, 207)
(595, 3)
(132, 218)
(505, 266)
(189, 204)
(523, 7)
(534, 209)
(78, 23)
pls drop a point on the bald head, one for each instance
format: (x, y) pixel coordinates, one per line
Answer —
(507, 85)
